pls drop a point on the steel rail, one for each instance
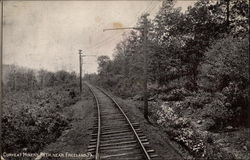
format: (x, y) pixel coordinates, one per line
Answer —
(97, 156)
(130, 124)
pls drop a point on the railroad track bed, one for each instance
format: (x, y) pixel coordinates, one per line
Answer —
(114, 136)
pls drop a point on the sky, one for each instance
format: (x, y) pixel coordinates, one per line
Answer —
(48, 34)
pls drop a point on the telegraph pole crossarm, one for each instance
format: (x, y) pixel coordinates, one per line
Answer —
(89, 55)
(109, 29)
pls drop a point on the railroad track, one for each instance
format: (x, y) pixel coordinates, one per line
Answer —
(114, 135)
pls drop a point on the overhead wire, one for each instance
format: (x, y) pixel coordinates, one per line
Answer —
(115, 37)
(111, 38)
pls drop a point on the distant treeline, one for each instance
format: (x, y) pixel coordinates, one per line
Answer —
(19, 78)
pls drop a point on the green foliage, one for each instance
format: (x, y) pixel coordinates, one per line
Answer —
(226, 65)
(189, 126)
(178, 44)
(20, 78)
(180, 129)
(218, 112)
(192, 56)
(31, 119)
(103, 62)
(226, 61)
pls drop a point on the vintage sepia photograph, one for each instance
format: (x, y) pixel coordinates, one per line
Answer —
(125, 80)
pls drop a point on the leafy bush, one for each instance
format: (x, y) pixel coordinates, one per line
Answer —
(33, 119)
(227, 65)
(218, 112)
(180, 129)
(175, 95)
(237, 99)
(199, 100)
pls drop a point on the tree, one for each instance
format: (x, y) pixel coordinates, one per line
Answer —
(177, 44)
(227, 61)
(166, 44)
(103, 62)
(227, 65)
(31, 79)
(21, 79)
(41, 78)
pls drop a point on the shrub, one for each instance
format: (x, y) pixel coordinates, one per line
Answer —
(33, 119)
(218, 112)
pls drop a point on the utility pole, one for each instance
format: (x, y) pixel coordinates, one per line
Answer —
(80, 64)
(14, 82)
(145, 69)
(144, 32)
(228, 14)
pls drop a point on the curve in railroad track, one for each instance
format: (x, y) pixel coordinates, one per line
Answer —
(114, 135)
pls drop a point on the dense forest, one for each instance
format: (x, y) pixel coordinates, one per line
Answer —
(32, 107)
(197, 63)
